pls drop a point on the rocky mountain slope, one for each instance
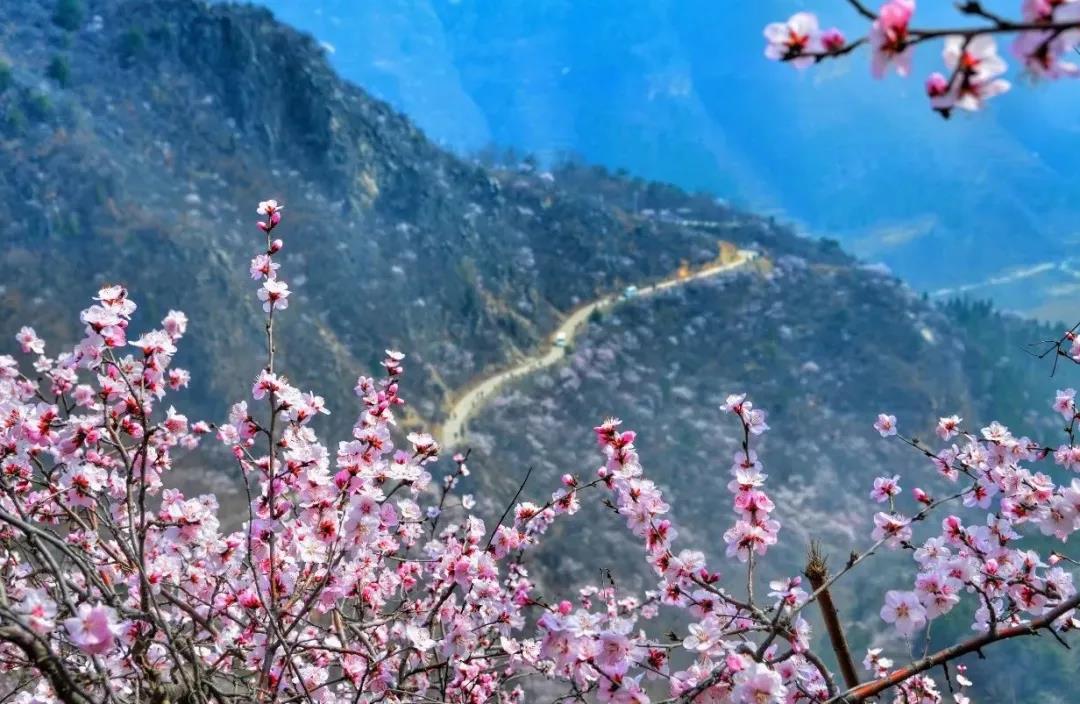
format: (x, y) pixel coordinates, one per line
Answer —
(137, 135)
(172, 118)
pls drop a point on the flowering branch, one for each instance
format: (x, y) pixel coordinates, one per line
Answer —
(869, 690)
(1047, 32)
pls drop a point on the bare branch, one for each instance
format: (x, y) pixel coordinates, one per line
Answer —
(817, 572)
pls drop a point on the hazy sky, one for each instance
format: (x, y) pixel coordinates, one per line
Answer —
(680, 91)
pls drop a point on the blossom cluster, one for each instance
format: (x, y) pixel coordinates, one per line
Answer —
(606, 649)
(355, 575)
(1011, 585)
(339, 584)
(1047, 33)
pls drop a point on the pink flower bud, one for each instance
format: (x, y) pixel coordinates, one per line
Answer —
(708, 577)
(263, 226)
(833, 39)
(276, 246)
(1053, 559)
(565, 607)
(921, 496)
(568, 480)
(937, 85)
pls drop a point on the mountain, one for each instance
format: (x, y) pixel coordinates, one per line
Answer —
(142, 164)
(137, 135)
(679, 92)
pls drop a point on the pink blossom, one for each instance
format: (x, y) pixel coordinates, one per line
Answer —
(753, 418)
(1065, 403)
(175, 324)
(937, 89)
(885, 488)
(904, 611)
(977, 68)
(886, 425)
(759, 685)
(894, 529)
(755, 421)
(1068, 456)
(875, 663)
(82, 484)
(833, 40)
(948, 427)
(423, 445)
(29, 341)
(1050, 10)
(745, 538)
(889, 38)
(1043, 52)
(39, 609)
(703, 636)
(272, 210)
(269, 207)
(266, 383)
(263, 267)
(788, 592)
(615, 650)
(1074, 345)
(93, 629)
(274, 294)
(937, 592)
(179, 379)
(793, 40)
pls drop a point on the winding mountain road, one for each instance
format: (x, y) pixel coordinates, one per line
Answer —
(473, 397)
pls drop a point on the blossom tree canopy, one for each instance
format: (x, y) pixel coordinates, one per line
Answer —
(1044, 35)
(356, 576)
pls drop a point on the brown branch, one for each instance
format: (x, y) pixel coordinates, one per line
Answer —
(973, 7)
(919, 36)
(863, 9)
(817, 571)
(871, 689)
(509, 506)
